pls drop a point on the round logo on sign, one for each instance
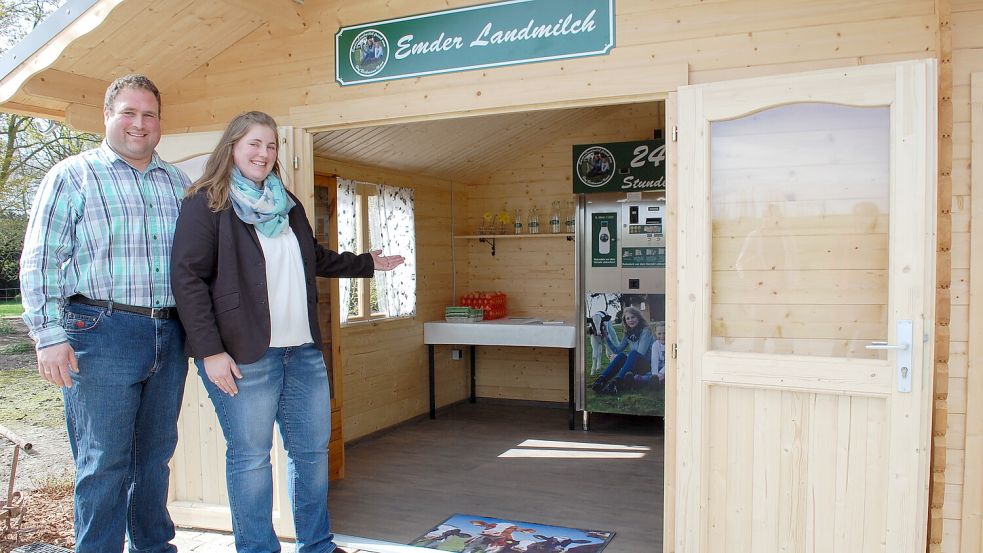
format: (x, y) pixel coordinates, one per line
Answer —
(595, 166)
(369, 53)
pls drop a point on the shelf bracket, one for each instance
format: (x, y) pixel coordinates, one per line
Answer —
(489, 241)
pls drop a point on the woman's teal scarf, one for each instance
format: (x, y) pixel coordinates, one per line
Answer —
(266, 208)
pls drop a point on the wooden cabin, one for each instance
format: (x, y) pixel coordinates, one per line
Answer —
(782, 431)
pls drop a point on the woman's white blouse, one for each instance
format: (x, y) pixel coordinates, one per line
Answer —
(289, 325)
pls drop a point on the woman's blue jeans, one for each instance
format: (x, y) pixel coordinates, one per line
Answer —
(289, 386)
(622, 364)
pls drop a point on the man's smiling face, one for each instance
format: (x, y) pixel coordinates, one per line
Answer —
(133, 126)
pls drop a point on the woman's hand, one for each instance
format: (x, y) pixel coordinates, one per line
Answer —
(220, 369)
(386, 262)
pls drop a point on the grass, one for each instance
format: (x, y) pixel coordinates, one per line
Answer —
(11, 309)
(16, 348)
(26, 400)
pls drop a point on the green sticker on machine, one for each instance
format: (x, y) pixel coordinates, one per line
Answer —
(604, 232)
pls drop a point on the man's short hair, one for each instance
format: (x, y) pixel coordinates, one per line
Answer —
(130, 81)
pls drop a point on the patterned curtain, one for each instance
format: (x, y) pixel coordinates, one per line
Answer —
(392, 229)
(347, 237)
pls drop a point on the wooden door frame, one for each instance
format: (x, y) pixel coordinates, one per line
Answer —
(637, 88)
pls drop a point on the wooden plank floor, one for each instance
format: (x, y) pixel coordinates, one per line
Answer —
(403, 482)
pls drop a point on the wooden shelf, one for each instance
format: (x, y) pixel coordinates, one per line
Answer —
(567, 235)
(491, 238)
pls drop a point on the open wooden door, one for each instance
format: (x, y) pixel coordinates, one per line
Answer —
(198, 496)
(805, 302)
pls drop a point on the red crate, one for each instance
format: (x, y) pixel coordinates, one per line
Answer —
(492, 303)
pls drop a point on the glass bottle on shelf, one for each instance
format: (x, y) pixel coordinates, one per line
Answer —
(504, 222)
(517, 221)
(571, 220)
(533, 220)
(555, 218)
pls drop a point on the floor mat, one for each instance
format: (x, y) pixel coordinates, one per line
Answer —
(477, 534)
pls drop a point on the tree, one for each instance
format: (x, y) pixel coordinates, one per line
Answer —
(29, 146)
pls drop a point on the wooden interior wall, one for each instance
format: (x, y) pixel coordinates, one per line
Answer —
(537, 273)
(965, 48)
(384, 364)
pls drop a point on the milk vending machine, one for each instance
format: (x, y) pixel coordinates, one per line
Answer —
(621, 277)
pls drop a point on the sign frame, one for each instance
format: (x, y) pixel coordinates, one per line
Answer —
(344, 48)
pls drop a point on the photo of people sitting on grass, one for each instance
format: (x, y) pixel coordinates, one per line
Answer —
(625, 357)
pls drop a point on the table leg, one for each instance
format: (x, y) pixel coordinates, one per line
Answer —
(473, 383)
(570, 388)
(433, 398)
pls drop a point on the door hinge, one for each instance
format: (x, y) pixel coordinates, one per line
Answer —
(674, 351)
(675, 133)
(296, 162)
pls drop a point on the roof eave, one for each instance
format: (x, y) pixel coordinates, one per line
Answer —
(44, 45)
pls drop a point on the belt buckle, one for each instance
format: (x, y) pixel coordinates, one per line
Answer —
(159, 312)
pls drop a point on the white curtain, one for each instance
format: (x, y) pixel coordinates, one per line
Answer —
(392, 229)
(347, 237)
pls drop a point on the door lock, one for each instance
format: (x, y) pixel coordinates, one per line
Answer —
(903, 347)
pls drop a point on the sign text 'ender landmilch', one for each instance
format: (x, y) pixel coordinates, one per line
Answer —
(565, 26)
(498, 34)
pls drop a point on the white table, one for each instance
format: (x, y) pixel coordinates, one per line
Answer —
(514, 332)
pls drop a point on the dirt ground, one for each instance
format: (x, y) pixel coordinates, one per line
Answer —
(33, 409)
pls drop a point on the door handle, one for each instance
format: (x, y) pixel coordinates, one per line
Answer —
(885, 345)
(903, 347)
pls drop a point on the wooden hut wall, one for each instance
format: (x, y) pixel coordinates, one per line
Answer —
(715, 40)
(718, 40)
(384, 364)
(959, 394)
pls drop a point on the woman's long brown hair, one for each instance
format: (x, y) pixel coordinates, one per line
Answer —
(217, 177)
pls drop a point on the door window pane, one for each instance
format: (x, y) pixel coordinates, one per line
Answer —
(799, 201)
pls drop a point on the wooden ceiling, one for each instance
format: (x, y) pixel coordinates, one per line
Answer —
(466, 149)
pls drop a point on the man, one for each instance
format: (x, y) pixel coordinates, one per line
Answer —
(95, 283)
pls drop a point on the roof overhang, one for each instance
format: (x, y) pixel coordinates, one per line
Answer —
(62, 68)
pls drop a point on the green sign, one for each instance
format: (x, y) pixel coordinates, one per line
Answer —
(643, 257)
(604, 235)
(619, 167)
(489, 35)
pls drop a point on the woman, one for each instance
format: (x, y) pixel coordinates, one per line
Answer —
(624, 366)
(243, 267)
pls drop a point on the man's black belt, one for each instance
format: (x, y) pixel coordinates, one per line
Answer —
(152, 312)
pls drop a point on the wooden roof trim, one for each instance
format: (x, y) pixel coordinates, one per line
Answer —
(46, 54)
(67, 87)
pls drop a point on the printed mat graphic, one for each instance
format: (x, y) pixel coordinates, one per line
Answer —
(477, 534)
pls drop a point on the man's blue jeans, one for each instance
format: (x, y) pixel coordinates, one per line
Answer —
(289, 386)
(122, 415)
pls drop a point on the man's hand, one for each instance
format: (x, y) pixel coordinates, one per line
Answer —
(55, 361)
(220, 369)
